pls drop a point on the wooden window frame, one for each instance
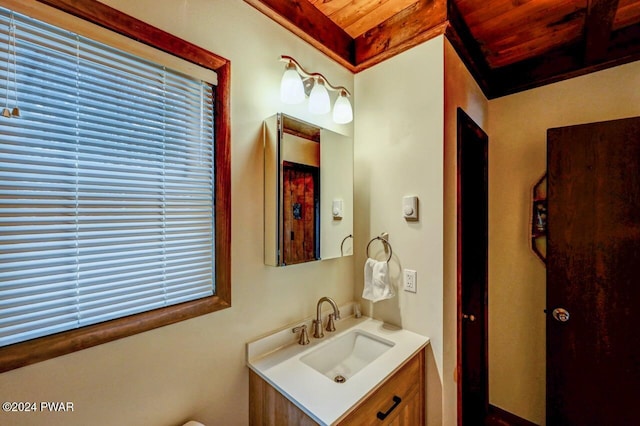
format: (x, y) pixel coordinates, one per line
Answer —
(41, 349)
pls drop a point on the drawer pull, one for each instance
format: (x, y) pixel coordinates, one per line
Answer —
(396, 400)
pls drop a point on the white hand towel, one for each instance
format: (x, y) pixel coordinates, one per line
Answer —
(376, 281)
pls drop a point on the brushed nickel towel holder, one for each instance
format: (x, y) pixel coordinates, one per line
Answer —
(342, 244)
(384, 237)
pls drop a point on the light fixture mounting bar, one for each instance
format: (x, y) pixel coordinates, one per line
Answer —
(343, 90)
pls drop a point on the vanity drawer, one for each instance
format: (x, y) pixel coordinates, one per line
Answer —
(399, 401)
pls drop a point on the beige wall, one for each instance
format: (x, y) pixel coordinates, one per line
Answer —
(517, 158)
(460, 91)
(196, 368)
(300, 150)
(405, 144)
(398, 152)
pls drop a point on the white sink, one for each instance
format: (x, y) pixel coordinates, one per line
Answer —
(343, 357)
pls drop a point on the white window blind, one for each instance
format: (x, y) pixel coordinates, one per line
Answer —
(106, 183)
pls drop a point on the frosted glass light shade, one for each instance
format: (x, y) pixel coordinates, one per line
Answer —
(342, 111)
(319, 102)
(291, 87)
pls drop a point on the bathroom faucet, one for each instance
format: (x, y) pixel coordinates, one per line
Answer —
(317, 323)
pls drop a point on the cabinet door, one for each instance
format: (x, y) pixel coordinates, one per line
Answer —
(412, 414)
(268, 407)
(399, 401)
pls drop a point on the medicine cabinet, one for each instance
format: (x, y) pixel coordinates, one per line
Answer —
(308, 192)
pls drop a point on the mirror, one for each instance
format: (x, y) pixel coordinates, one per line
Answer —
(308, 192)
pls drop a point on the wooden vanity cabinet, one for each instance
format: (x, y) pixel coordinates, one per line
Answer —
(398, 401)
(268, 407)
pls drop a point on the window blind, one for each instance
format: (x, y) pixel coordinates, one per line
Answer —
(106, 183)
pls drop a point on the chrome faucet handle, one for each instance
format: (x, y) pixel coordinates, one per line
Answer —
(317, 329)
(330, 323)
(304, 336)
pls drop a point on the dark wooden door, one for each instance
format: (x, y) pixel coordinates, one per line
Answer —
(593, 272)
(472, 271)
(300, 201)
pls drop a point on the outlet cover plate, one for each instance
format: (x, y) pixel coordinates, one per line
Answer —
(410, 278)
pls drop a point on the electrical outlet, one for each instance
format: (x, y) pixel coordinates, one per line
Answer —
(410, 281)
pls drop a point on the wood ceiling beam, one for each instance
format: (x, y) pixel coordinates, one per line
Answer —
(417, 23)
(564, 63)
(598, 26)
(599, 48)
(307, 22)
(468, 49)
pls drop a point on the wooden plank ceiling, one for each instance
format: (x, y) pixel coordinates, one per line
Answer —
(508, 45)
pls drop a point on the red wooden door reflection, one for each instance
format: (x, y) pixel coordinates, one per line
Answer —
(300, 201)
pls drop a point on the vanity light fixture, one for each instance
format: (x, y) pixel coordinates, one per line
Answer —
(297, 83)
(319, 101)
(291, 87)
(342, 112)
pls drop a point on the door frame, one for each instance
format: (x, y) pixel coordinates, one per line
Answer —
(464, 125)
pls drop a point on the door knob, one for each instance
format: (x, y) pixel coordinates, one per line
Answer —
(561, 314)
(471, 318)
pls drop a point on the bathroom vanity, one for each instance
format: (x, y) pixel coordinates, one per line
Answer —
(364, 373)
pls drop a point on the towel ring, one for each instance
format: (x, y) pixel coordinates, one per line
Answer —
(342, 244)
(385, 242)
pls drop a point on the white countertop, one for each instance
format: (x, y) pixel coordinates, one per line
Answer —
(276, 358)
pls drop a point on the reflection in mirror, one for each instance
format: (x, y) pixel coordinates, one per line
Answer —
(308, 192)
